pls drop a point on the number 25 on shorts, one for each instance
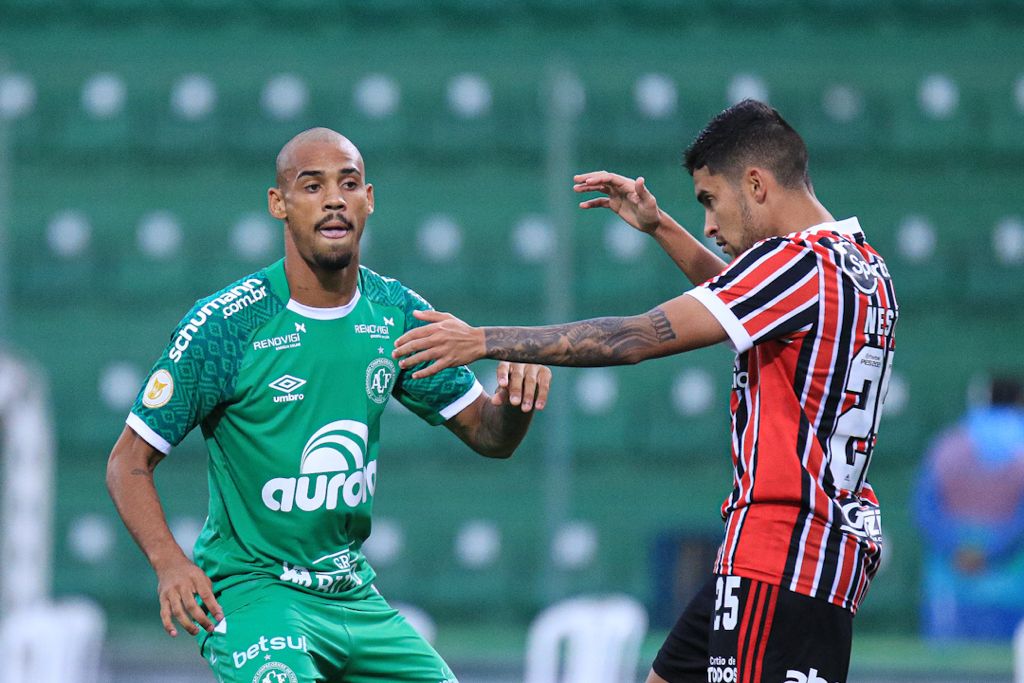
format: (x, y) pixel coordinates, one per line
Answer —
(727, 603)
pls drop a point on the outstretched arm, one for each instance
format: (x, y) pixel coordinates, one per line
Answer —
(493, 426)
(636, 205)
(676, 326)
(130, 482)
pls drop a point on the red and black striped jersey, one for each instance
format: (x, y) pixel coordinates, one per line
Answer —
(812, 317)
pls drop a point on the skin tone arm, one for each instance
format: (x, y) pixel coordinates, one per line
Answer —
(675, 326)
(494, 426)
(635, 204)
(179, 581)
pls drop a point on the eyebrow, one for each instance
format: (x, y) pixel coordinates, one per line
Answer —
(348, 170)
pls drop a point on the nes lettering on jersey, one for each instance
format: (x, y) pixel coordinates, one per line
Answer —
(227, 304)
(159, 389)
(382, 331)
(332, 467)
(271, 644)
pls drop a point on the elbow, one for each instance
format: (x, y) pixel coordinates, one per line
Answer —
(498, 449)
(498, 452)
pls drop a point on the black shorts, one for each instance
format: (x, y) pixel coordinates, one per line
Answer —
(738, 630)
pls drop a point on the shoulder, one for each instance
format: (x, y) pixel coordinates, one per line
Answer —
(387, 291)
(231, 313)
(767, 259)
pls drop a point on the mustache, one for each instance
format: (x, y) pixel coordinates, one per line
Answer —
(334, 217)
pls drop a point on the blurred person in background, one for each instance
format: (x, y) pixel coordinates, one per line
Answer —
(287, 372)
(970, 506)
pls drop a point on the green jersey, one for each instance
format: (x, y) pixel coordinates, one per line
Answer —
(289, 399)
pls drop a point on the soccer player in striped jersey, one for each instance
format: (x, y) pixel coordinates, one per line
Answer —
(809, 308)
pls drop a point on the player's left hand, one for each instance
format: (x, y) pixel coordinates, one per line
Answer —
(522, 384)
(447, 341)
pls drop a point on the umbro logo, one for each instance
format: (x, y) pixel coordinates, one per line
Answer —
(287, 385)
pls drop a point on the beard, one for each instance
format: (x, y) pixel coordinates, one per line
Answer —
(334, 260)
(747, 227)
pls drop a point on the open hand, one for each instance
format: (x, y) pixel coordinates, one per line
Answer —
(447, 341)
(179, 583)
(522, 384)
(627, 197)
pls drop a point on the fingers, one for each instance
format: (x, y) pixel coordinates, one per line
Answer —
(197, 614)
(165, 617)
(431, 315)
(528, 386)
(180, 612)
(543, 386)
(178, 603)
(503, 372)
(411, 342)
(515, 383)
(597, 203)
(210, 602)
(599, 178)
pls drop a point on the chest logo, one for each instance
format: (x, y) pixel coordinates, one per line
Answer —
(380, 375)
(287, 385)
(333, 472)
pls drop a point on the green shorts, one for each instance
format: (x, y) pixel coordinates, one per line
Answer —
(273, 633)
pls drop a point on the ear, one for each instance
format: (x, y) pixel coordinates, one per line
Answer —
(756, 183)
(275, 204)
(369, 197)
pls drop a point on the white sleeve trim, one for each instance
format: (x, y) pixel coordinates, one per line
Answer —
(148, 435)
(739, 339)
(463, 402)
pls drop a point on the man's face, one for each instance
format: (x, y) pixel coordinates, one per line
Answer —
(324, 199)
(727, 216)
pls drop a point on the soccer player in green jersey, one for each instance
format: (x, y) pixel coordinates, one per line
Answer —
(287, 372)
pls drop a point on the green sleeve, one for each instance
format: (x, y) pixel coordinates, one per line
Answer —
(441, 396)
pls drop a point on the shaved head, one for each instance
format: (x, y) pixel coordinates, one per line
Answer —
(286, 164)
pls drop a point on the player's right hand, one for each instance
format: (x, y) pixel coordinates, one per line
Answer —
(179, 582)
(627, 197)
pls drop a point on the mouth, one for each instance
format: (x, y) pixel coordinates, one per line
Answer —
(334, 227)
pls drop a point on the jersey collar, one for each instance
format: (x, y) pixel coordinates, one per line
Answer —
(849, 226)
(324, 313)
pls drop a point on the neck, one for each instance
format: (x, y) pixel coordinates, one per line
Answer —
(313, 286)
(797, 212)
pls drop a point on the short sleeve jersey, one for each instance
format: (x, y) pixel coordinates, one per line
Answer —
(812, 316)
(289, 399)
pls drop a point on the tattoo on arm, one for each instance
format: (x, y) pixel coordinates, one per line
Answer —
(599, 341)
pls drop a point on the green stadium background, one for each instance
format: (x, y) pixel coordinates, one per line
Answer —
(138, 142)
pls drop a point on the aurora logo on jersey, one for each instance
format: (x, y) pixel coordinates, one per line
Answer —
(337, 447)
(232, 301)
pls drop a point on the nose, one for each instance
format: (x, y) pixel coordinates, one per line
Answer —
(710, 225)
(334, 200)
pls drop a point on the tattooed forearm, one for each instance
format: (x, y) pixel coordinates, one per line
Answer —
(599, 341)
